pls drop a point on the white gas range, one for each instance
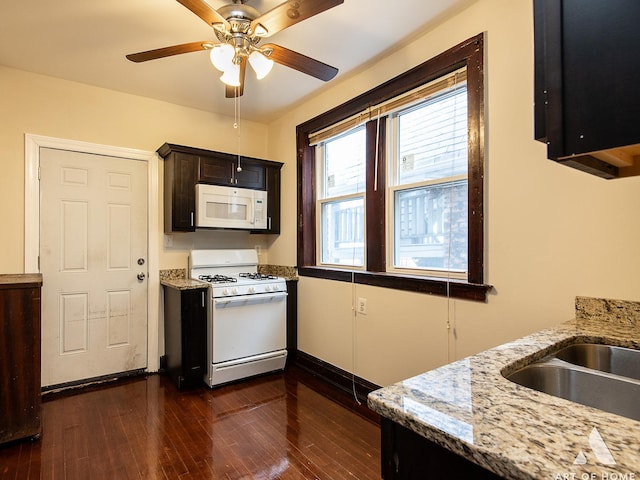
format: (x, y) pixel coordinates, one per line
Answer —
(246, 327)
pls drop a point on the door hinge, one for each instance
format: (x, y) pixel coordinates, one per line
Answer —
(38, 172)
(38, 262)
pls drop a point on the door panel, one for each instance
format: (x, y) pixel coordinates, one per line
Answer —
(93, 230)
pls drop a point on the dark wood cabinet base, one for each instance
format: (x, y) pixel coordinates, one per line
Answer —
(20, 357)
(185, 331)
(408, 456)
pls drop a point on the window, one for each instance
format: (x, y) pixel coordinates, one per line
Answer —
(390, 184)
(429, 199)
(341, 206)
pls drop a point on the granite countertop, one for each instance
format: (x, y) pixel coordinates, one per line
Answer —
(176, 278)
(184, 283)
(469, 408)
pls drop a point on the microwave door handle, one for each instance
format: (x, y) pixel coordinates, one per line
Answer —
(255, 210)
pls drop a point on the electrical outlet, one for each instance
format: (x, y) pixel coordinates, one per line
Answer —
(362, 306)
(168, 241)
(258, 249)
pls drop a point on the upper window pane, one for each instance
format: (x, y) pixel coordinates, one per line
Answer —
(344, 168)
(432, 139)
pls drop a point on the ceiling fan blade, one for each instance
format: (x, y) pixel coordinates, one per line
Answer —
(289, 13)
(300, 62)
(232, 92)
(203, 10)
(169, 51)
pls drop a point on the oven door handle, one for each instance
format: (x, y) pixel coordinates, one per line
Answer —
(248, 299)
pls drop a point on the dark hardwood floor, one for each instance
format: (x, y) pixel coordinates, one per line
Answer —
(279, 426)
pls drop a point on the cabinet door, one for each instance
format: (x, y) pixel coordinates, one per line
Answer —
(19, 362)
(292, 321)
(194, 336)
(586, 98)
(272, 185)
(185, 332)
(222, 169)
(218, 170)
(273, 200)
(181, 171)
(251, 175)
(405, 455)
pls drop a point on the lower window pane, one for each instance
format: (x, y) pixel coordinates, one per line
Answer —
(430, 230)
(343, 232)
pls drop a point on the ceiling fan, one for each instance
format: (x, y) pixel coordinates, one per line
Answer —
(239, 28)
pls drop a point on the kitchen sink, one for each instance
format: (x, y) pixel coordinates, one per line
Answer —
(605, 358)
(599, 376)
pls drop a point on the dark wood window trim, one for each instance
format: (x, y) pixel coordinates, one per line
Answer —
(469, 53)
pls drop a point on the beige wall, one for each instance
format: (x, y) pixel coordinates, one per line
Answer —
(41, 105)
(551, 232)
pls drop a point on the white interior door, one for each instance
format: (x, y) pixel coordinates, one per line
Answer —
(93, 246)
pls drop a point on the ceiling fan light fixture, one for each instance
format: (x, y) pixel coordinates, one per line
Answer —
(222, 56)
(231, 75)
(260, 64)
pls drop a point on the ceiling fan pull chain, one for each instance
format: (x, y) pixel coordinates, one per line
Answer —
(236, 125)
(375, 168)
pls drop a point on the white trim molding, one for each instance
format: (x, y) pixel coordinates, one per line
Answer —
(32, 146)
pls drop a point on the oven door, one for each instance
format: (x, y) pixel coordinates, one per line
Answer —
(247, 326)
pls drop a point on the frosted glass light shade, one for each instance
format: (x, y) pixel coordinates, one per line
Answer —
(231, 75)
(260, 64)
(222, 56)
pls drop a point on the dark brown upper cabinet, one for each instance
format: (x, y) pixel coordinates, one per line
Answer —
(586, 84)
(226, 169)
(186, 166)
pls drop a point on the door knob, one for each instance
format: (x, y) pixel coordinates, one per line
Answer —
(141, 276)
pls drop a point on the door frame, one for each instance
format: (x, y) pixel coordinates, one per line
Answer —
(33, 144)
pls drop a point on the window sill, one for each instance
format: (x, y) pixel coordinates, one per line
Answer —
(430, 285)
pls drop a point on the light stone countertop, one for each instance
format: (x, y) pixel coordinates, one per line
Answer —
(184, 283)
(469, 408)
(176, 277)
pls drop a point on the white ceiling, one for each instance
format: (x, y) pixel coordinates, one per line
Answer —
(86, 41)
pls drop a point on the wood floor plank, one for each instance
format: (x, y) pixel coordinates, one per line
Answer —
(271, 427)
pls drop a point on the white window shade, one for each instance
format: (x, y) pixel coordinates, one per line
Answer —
(419, 94)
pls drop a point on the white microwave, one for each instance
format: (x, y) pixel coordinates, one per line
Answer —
(218, 206)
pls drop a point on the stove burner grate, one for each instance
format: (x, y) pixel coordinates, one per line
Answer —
(258, 276)
(217, 278)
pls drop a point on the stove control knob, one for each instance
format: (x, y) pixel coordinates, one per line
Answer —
(252, 290)
(267, 288)
(275, 288)
(234, 291)
(225, 292)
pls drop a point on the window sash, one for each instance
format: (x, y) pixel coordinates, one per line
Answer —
(426, 252)
(321, 204)
(392, 266)
(323, 177)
